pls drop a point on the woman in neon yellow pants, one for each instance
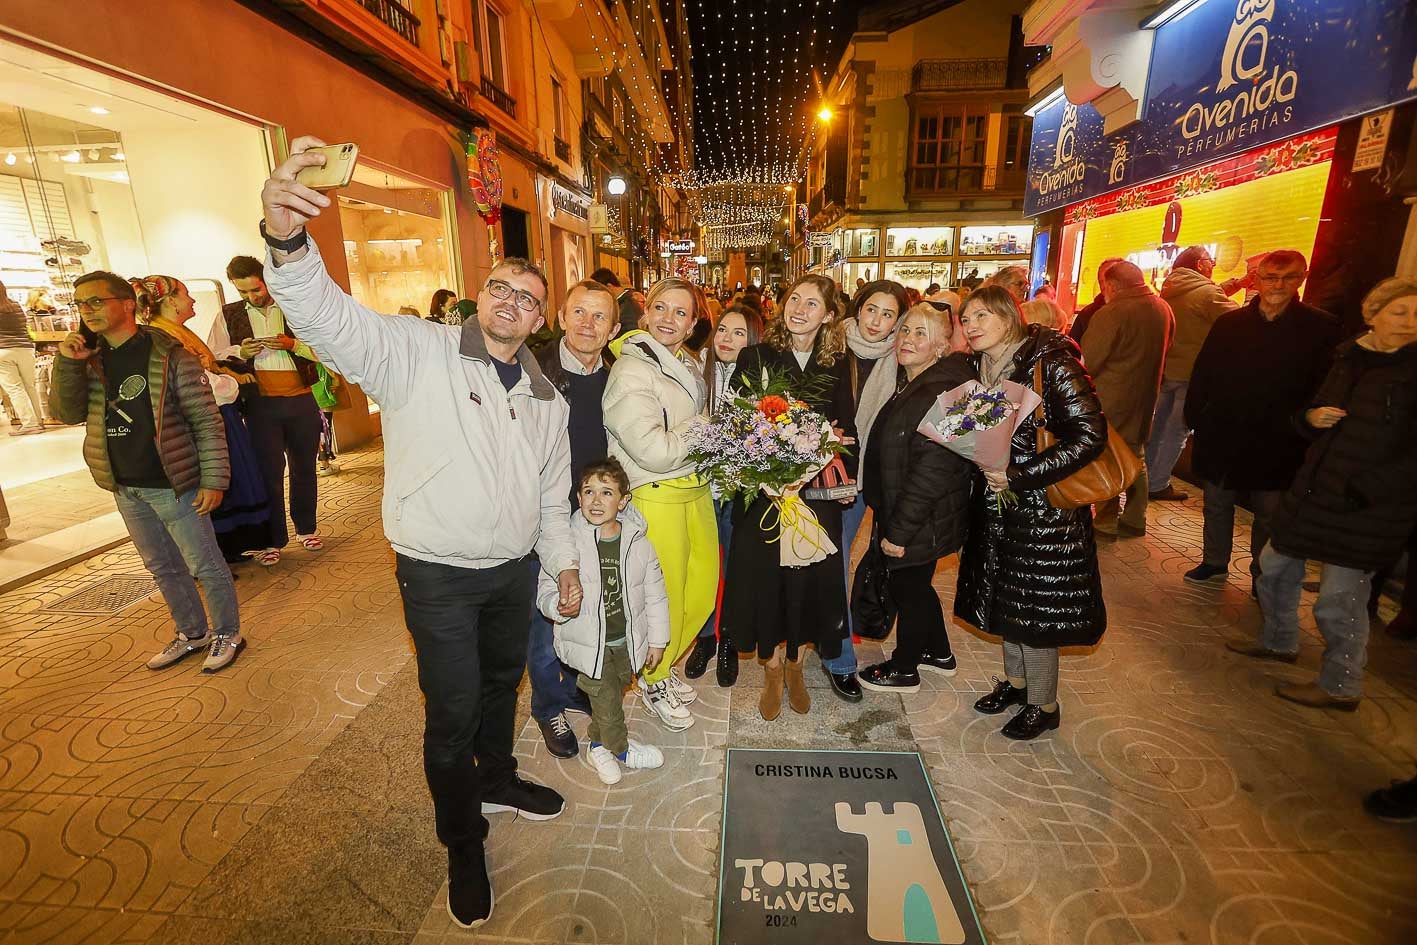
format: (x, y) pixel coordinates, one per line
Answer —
(653, 395)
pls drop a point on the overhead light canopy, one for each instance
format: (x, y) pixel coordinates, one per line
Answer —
(1044, 102)
(1169, 13)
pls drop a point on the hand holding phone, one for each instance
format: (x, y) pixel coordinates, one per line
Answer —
(76, 346)
(336, 172)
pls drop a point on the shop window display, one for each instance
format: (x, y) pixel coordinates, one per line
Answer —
(920, 241)
(862, 242)
(919, 275)
(396, 241)
(1015, 240)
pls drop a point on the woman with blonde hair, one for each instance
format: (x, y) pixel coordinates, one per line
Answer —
(242, 521)
(1028, 572)
(1046, 312)
(769, 607)
(653, 396)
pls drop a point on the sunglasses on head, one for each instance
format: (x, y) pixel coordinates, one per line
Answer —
(945, 307)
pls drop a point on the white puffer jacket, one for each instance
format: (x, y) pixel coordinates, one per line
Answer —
(650, 400)
(580, 640)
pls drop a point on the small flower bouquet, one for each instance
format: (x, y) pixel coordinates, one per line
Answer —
(978, 424)
(767, 440)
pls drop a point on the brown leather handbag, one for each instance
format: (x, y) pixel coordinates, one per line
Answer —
(1106, 477)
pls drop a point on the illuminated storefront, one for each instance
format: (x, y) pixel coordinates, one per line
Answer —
(1246, 130)
(917, 256)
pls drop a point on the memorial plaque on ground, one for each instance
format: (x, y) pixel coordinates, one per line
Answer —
(837, 847)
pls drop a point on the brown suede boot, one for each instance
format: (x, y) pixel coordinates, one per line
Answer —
(797, 696)
(770, 703)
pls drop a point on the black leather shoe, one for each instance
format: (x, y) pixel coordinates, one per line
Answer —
(886, 677)
(1003, 696)
(560, 739)
(727, 664)
(1032, 722)
(470, 897)
(845, 685)
(944, 665)
(699, 657)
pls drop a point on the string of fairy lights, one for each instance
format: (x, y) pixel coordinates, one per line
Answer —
(752, 114)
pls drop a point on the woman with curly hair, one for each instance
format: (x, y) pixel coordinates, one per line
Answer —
(767, 607)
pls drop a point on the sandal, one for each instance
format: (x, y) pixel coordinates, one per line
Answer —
(265, 558)
(312, 542)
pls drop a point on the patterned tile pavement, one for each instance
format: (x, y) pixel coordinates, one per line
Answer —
(283, 801)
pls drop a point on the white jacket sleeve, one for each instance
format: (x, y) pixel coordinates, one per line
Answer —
(656, 598)
(554, 544)
(548, 596)
(634, 416)
(376, 352)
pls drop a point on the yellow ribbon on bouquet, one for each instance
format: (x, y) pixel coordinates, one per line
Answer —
(796, 521)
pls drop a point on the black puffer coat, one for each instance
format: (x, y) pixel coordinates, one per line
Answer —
(918, 490)
(1354, 501)
(1029, 574)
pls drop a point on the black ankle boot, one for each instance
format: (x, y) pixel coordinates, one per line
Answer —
(699, 657)
(1003, 696)
(727, 664)
(1032, 722)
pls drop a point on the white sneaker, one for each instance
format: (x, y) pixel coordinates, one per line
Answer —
(682, 691)
(659, 700)
(643, 756)
(605, 764)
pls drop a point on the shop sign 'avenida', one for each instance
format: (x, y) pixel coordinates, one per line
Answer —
(1225, 77)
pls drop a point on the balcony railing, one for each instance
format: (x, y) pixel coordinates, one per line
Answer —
(497, 97)
(563, 150)
(965, 181)
(398, 17)
(959, 75)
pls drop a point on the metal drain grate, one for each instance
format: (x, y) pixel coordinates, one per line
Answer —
(106, 596)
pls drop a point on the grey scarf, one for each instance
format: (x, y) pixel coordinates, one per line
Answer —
(878, 389)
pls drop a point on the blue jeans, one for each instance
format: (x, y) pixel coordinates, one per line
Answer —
(553, 685)
(723, 515)
(1341, 613)
(177, 545)
(851, 518)
(1168, 434)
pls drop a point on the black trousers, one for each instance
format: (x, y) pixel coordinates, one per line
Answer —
(287, 430)
(920, 624)
(469, 631)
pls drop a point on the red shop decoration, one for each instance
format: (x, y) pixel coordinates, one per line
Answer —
(484, 178)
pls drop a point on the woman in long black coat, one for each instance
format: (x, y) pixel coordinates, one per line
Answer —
(768, 607)
(1353, 502)
(1029, 572)
(918, 492)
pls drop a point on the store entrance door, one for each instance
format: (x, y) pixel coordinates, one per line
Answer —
(516, 240)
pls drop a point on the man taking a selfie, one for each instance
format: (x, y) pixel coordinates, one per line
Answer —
(477, 470)
(154, 439)
(283, 417)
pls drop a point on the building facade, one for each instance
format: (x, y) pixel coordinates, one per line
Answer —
(918, 173)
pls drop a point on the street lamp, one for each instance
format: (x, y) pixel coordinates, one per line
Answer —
(825, 113)
(615, 186)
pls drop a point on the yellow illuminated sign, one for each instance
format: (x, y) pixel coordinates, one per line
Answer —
(1236, 223)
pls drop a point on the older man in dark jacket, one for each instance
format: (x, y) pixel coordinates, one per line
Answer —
(155, 439)
(1255, 372)
(1124, 351)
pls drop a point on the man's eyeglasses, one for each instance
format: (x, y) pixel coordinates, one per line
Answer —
(94, 303)
(1292, 277)
(505, 290)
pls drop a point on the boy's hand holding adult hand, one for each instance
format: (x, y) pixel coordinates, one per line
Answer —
(569, 584)
(656, 653)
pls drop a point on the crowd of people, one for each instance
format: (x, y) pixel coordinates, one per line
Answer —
(548, 520)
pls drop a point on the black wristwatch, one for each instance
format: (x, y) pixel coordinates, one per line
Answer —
(288, 245)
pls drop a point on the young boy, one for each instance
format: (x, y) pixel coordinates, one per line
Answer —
(623, 625)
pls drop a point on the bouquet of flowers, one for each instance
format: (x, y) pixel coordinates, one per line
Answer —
(978, 424)
(767, 440)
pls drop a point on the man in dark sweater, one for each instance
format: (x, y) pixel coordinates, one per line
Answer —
(577, 364)
(1255, 373)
